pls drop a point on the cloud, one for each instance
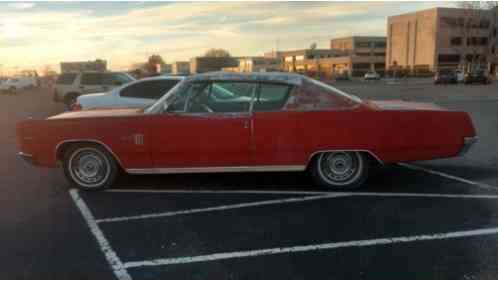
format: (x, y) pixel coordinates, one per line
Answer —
(179, 31)
(21, 5)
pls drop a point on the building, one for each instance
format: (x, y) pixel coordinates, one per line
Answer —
(78, 66)
(361, 54)
(207, 64)
(352, 56)
(259, 64)
(180, 67)
(297, 60)
(438, 38)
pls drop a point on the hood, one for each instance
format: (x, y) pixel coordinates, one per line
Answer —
(97, 113)
(404, 105)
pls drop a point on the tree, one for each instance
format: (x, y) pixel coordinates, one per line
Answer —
(474, 18)
(47, 71)
(153, 62)
(217, 53)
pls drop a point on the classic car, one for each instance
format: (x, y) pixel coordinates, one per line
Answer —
(257, 122)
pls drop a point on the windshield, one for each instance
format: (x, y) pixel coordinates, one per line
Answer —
(166, 99)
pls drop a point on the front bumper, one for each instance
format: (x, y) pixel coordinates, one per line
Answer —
(27, 157)
(468, 142)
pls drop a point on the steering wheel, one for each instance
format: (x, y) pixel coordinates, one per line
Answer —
(205, 107)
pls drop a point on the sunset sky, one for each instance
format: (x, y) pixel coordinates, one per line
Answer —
(33, 35)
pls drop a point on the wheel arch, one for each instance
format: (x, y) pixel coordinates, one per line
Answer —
(62, 147)
(371, 156)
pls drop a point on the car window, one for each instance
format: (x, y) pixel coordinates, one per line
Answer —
(229, 97)
(180, 98)
(271, 97)
(91, 79)
(148, 89)
(315, 95)
(115, 79)
(66, 78)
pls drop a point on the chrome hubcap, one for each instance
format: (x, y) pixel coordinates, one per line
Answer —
(339, 166)
(89, 168)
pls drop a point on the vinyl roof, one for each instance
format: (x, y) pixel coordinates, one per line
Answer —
(280, 77)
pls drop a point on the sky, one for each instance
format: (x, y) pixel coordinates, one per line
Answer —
(39, 34)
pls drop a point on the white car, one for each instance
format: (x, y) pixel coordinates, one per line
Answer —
(12, 85)
(137, 94)
(372, 76)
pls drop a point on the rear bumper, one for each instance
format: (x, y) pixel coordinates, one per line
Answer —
(468, 142)
(26, 157)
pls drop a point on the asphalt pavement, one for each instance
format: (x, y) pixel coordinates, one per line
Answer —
(433, 219)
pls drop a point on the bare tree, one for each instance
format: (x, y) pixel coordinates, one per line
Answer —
(217, 53)
(152, 64)
(475, 17)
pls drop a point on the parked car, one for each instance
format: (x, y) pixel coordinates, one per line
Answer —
(138, 94)
(12, 85)
(69, 86)
(371, 75)
(262, 122)
(342, 77)
(460, 75)
(445, 76)
(477, 76)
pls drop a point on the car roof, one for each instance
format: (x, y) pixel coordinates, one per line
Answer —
(278, 77)
(162, 77)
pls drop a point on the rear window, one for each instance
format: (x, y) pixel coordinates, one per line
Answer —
(66, 78)
(316, 95)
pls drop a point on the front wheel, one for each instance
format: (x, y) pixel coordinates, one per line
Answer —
(90, 167)
(340, 170)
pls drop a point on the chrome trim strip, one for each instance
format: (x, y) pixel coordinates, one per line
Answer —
(337, 150)
(468, 142)
(26, 157)
(228, 169)
(88, 140)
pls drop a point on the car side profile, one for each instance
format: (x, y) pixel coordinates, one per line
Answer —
(69, 86)
(12, 85)
(257, 122)
(138, 94)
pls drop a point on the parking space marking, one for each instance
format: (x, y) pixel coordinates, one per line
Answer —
(112, 258)
(448, 176)
(223, 207)
(315, 247)
(224, 191)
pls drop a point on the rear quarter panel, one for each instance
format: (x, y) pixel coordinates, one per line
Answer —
(391, 135)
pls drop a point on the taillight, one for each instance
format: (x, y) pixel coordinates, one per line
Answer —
(76, 106)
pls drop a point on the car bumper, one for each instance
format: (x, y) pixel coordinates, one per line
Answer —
(26, 157)
(468, 142)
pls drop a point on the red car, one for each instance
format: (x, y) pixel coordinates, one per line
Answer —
(228, 122)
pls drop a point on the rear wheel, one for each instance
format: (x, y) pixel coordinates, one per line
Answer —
(90, 167)
(341, 170)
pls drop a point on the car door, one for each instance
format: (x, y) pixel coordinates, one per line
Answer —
(144, 93)
(205, 128)
(92, 82)
(275, 130)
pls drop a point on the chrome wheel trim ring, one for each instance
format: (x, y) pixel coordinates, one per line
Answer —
(89, 167)
(340, 168)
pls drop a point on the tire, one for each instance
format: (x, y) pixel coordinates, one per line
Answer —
(89, 167)
(349, 171)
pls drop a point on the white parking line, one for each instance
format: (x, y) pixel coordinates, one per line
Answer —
(448, 176)
(222, 208)
(256, 190)
(315, 247)
(112, 258)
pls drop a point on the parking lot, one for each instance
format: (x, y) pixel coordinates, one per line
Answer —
(434, 219)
